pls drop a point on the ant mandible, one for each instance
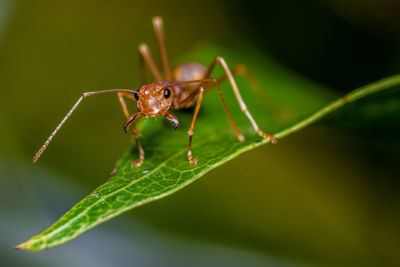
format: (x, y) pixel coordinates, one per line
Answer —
(180, 88)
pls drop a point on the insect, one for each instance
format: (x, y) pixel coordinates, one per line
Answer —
(179, 88)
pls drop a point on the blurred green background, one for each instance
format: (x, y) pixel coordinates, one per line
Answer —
(328, 196)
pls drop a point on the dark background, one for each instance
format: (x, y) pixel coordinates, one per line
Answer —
(329, 195)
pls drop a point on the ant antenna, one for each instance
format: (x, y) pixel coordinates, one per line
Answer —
(84, 95)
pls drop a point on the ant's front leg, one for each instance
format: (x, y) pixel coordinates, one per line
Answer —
(191, 159)
(135, 132)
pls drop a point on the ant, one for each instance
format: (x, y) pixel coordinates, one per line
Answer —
(178, 89)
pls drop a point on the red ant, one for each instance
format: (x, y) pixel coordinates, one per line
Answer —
(179, 89)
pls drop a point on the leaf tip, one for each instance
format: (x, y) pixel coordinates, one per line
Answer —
(29, 246)
(22, 246)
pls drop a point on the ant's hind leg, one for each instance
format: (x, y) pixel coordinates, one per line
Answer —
(239, 98)
(135, 132)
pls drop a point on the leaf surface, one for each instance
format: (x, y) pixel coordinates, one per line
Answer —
(286, 105)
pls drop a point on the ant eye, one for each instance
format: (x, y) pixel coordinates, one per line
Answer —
(137, 96)
(167, 93)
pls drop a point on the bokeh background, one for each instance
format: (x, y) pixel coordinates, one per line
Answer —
(328, 196)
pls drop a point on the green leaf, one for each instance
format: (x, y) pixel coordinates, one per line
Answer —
(289, 104)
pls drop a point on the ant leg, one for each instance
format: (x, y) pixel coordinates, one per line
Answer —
(238, 134)
(239, 97)
(135, 132)
(159, 31)
(191, 159)
(242, 69)
(142, 69)
(209, 83)
(84, 95)
(147, 58)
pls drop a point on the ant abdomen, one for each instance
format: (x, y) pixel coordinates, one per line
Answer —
(189, 71)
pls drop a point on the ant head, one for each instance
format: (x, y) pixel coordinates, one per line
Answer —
(154, 99)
